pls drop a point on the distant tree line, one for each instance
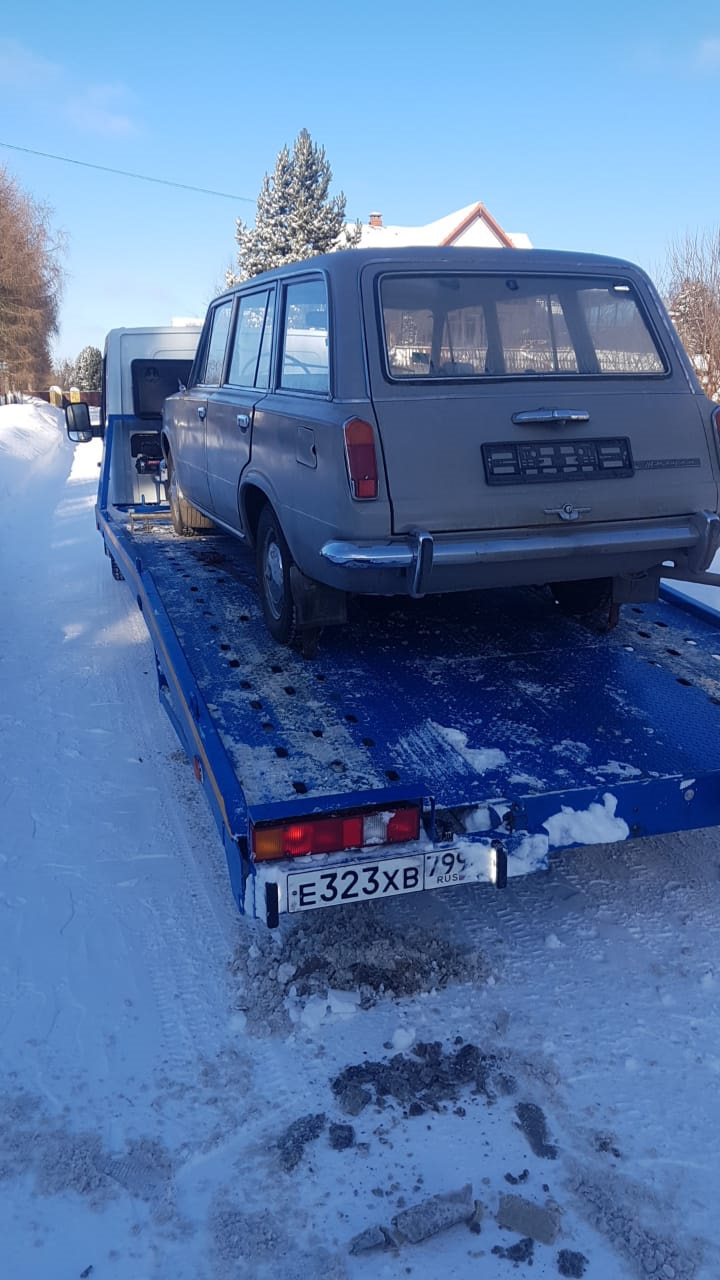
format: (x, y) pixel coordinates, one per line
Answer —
(30, 285)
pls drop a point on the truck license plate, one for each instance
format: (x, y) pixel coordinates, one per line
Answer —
(309, 889)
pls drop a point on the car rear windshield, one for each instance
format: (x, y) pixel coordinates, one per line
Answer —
(473, 325)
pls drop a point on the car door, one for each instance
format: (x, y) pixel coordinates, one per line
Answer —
(231, 408)
(190, 411)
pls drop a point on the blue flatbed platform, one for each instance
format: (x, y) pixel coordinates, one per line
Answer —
(511, 722)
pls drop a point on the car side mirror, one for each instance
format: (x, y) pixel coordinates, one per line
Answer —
(77, 419)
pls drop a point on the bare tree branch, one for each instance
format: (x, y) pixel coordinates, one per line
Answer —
(691, 287)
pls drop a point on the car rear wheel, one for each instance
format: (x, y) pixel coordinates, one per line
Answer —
(585, 597)
(273, 570)
(185, 517)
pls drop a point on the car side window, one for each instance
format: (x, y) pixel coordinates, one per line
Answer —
(305, 338)
(262, 378)
(252, 321)
(220, 326)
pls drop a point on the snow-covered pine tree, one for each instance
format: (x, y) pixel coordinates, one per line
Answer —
(88, 369)
(295, 217)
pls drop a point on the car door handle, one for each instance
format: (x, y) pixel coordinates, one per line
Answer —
(243, 421)
(202, 412)
(531, 416)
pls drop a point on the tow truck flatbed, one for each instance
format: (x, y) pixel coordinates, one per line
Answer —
(517, 729)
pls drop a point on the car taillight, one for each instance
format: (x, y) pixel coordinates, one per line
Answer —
(361, 458)
(331, 835)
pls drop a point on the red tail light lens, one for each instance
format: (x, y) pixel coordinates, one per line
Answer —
(361, 459)
(404, 825)
(331, 835)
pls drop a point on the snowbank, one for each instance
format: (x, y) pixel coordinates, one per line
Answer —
(34, 448)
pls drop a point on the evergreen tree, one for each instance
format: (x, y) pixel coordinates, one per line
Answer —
(88, 369)
(296, 218)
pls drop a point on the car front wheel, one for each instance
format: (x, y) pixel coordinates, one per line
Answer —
(273, 570)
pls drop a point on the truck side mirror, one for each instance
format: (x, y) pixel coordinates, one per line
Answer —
(77, 418)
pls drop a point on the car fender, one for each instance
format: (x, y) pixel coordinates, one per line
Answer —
(253, 479)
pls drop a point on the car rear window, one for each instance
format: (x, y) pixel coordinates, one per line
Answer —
(472, 325)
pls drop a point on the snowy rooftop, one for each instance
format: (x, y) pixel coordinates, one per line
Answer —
(471, 226)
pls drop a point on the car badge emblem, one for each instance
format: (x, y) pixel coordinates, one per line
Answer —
(567, 512)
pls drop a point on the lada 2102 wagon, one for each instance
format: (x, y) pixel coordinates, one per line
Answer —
(434, 420)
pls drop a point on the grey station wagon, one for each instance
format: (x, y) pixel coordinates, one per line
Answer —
(407, 421)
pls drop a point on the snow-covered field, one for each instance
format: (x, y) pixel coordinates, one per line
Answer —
(188, 1097)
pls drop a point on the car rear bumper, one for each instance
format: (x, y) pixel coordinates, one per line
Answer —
(421, 562)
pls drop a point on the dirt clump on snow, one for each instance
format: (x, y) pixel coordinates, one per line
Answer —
(523, 1251)
(526, 1218)
(358, 950)
(420, 1081)
(294, 1140)
(532, 1123)
(572, 1264)
(419, 1222)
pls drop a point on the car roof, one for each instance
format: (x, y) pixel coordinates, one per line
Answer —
(348, 263)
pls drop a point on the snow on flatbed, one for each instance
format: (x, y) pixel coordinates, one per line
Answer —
(186, 1095)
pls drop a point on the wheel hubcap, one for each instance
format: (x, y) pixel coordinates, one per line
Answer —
(274, 578)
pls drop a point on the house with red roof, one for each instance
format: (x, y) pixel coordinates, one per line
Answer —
(470, 227)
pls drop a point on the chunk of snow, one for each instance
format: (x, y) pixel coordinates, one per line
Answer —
(403, 1038)
(618, 769)
(478, 819)
(479, 758)
(318, 1009)
(529, 855)
(595, 825)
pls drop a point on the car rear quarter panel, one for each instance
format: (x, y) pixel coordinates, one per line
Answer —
(298, 461)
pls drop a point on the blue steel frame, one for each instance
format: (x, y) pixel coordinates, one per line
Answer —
(668, 793)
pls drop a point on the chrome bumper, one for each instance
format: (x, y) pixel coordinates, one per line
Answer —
(420, 551)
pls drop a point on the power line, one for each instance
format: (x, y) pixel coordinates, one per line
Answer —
(125, 173)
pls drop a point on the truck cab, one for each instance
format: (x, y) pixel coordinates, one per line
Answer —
(141, 367)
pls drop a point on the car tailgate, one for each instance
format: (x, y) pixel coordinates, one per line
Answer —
(509, 455)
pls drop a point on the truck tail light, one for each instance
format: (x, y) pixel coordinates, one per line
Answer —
(332, 835)
(361, 459)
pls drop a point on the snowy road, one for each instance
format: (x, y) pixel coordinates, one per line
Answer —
(186, 1096)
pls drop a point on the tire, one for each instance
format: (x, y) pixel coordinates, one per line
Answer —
(273, 571)
(184, 516)
(585, 597)
(115, 570)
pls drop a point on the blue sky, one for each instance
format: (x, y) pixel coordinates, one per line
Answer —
(588, 127)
